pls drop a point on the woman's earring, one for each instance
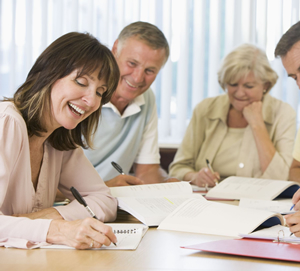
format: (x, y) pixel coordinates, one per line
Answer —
(264, 91)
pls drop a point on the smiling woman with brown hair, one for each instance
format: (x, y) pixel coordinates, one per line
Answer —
(42, 128)
(245, 132)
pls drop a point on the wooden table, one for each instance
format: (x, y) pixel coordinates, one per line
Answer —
(159, 250)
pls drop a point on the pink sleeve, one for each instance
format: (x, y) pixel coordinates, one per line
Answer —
(77, 171)
(13, 175)
(24, 228)
(11, 141)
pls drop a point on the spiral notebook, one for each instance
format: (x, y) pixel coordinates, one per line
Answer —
(129, 237)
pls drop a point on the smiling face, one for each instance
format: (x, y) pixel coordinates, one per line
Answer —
(139, 65)
(74, 98)
(244, 92)
(291, 62)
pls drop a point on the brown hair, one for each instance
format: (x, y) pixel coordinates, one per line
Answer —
(287, 41)
(69, 52)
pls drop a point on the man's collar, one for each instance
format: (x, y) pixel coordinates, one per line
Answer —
(132, 108)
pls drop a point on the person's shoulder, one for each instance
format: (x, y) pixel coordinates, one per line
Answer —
(149, 96)
(6, 106)
(147, 101)
(211, 103)
(11, 119)
(8, 109)
(279, 105)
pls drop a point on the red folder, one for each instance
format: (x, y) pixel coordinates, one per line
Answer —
(253, 248)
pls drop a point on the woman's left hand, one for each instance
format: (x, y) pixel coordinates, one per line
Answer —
(293, 222)
(253, 113)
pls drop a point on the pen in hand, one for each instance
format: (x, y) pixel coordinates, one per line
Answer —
(292, 207)
(210, 168)
(81, 200)
(117, 167)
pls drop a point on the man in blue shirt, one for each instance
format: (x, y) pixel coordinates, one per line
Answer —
(127, 131)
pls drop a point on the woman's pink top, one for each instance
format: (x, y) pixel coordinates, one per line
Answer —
(60, 169)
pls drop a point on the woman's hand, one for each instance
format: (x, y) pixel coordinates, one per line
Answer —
(203, 178)
(253, 114)
(296, 200)
(80, 234)
(293, 222)
(264, 145)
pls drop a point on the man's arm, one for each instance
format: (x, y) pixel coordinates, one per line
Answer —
(122, 180)
(294, 174)
(152, 173)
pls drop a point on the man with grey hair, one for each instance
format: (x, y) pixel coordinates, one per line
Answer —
(288, 49)
(127, 131)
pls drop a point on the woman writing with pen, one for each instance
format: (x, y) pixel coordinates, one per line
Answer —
(42, 129)
(244, 132)
(293, 220)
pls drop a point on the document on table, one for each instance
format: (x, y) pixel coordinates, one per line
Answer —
(278, 206)
(242, 187)
(206, 217)
(152, 210)
(152, 203)
(147, 190)
(128, 235)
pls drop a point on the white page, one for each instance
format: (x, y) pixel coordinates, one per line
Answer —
(148, 190)
(214, 218)
(282, 207)
(152, 210)
(128, 235)
(240, 187)
(273, 233)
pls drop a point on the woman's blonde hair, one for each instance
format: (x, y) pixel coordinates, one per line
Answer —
(72, 51)
(245, 59)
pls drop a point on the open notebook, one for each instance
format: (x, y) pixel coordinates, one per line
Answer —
(129, 236)
(241, 187)
(201, 216)
(152, 203)
(282, 206)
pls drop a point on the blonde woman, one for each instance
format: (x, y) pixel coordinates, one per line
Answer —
(245, 132)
